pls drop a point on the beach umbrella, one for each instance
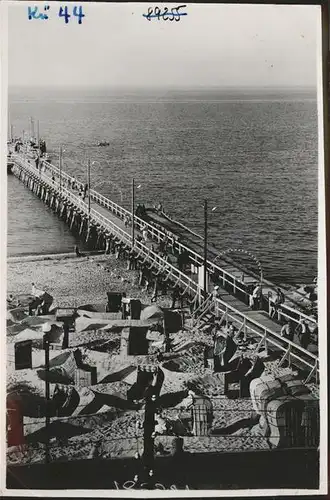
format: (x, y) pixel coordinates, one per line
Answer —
(152, 312)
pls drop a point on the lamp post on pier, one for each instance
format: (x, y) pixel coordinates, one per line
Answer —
(38, 139)
(205, 249)
(32, 127)
(133, 210)
(205, 246)
(46, 339)
(60, 167)
(89, 188)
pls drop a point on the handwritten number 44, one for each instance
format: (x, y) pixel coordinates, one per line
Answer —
(77, 12)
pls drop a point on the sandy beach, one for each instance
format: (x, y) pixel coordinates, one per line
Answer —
(75, 281)
(103, 428)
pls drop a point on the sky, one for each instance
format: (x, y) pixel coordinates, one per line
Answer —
(214, 45)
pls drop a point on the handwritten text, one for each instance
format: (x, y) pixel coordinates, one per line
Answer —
(43, 14)
(172, 14)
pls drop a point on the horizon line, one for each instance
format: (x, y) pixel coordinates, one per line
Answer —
(161, 87)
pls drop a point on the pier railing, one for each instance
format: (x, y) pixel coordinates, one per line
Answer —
(226, 278)
(290, 351)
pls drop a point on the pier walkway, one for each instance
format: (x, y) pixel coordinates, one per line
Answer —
(107, 220)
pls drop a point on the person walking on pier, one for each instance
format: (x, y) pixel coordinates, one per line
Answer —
(287, 330)
(303, 333)
(255, 297)
(85, 191)
(127, 220)
(145, 234)
(216, 292)
(280, 297)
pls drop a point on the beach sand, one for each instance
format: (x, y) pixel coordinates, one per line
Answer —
(75, 281)
(85, 280)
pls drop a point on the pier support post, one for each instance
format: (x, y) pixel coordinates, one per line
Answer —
(63, 211)
(155, 291)
(82, 223)
(72, 220)
(68, 214)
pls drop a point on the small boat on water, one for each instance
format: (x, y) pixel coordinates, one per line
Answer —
(103, 143)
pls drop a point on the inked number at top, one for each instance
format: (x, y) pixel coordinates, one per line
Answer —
(167, 14)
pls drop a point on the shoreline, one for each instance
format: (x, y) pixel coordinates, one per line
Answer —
(50, 256)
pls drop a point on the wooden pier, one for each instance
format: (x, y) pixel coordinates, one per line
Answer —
(107, 226)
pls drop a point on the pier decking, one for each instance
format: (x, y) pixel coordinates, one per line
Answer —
(103, 221)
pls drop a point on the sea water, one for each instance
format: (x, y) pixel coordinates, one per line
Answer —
(252, 153)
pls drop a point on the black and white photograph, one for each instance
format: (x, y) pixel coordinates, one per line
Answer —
(165, 268)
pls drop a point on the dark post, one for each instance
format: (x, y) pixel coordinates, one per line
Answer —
(149, 427)
(32, 128)
(60, 171)
(89, 189)
(166, 337)
(205, 249)
(38, 138)
(133, 213)
(46, 347)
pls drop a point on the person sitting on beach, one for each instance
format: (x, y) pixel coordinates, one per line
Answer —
(44, 298)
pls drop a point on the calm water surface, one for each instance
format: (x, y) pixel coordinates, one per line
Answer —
(252, 154)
